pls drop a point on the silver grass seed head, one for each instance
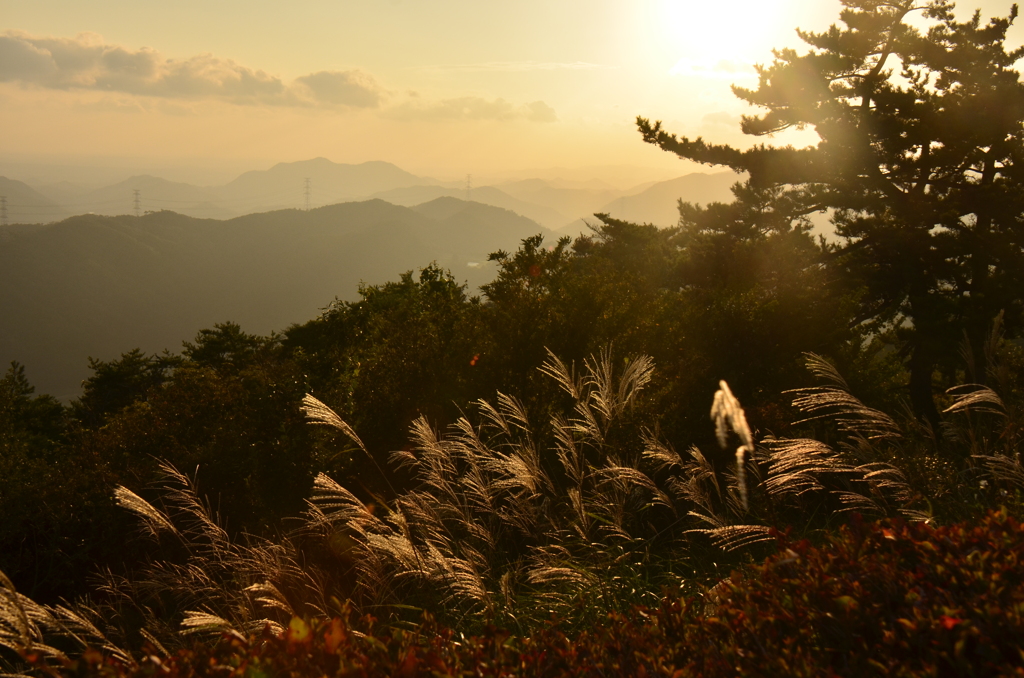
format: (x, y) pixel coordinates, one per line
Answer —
(728, 415)
(318, 413)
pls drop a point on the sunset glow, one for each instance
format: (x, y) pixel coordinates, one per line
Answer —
(447, 89)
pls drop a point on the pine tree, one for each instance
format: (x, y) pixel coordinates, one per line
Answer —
(921, 135)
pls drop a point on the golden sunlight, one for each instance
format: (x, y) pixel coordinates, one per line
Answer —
(721, 39)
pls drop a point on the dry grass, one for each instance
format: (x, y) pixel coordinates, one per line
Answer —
(213, 582)
(49, 631)
(496, 518)
(507, 521)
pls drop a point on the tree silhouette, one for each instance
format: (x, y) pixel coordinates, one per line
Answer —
(921, 136)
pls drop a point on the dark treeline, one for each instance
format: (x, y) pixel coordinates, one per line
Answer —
(595, 480)
(742, 302)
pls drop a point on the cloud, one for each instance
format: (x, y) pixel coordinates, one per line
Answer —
(86, 62)
(19, 59)
(474, 108)
(541, 112)
(346, 88)
(517, 66)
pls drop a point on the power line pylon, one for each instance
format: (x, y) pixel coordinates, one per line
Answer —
(3, 210)
(469, 186)
(137, 200)
(308, 193)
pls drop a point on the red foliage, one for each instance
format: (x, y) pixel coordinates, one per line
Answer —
(891, 599)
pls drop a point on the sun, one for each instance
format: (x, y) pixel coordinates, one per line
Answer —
(720, 39)
(735, 32)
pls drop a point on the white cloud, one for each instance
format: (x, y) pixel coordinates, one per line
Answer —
(21, 60)
(86, 62)
(515, 66)
(347, 88)
(541, 112)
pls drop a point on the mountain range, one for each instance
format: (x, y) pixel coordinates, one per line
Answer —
(98, 286)
(104, 281)
(285, 186)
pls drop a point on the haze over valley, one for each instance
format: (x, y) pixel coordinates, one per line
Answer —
(553, 203)
(103, 281)
(529, 338)
(166, 172)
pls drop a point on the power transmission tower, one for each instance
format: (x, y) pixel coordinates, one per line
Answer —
(469, 186)
(137, 199)
(3, 210)
(307, 193)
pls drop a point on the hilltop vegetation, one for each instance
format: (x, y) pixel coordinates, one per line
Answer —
(153, 281)
(723, 446)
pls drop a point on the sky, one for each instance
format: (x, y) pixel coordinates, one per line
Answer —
(201, 90)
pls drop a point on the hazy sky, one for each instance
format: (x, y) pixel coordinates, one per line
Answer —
(439, 87)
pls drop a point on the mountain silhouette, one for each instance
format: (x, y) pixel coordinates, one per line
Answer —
(488, 195)
(97, 286)
(155, 194)
(553, 204)
(283, 185)
(658, 203)
(570, 202)
(26, 205)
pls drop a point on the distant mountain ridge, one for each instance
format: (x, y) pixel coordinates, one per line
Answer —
(202, 203)
(571, 203)
(487, 195)
(283, 185)
(98, 286)
(25, 204)
(658, 203)
(554, 204)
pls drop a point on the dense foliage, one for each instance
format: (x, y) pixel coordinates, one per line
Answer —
(920, 133)
(545, 450)
(226, 410)
(885, 599)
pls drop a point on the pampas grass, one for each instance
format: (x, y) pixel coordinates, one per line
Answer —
(503, 523)
(728, 415)
(204, 581)
(50, 631)
(509, 521)
(499, 518)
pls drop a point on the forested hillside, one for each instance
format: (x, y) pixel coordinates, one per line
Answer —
(721, 447)
(94, 286)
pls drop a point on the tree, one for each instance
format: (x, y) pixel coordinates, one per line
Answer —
(524, 310)
(405, 349)
(226, 347)
(920, 158)
(56, 505)
(31, 422)
(229, 416)
(757, 296)
(117, 384)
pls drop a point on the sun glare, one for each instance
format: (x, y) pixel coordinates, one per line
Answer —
(718, 40)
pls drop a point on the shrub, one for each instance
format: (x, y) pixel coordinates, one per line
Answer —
(891, 598)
